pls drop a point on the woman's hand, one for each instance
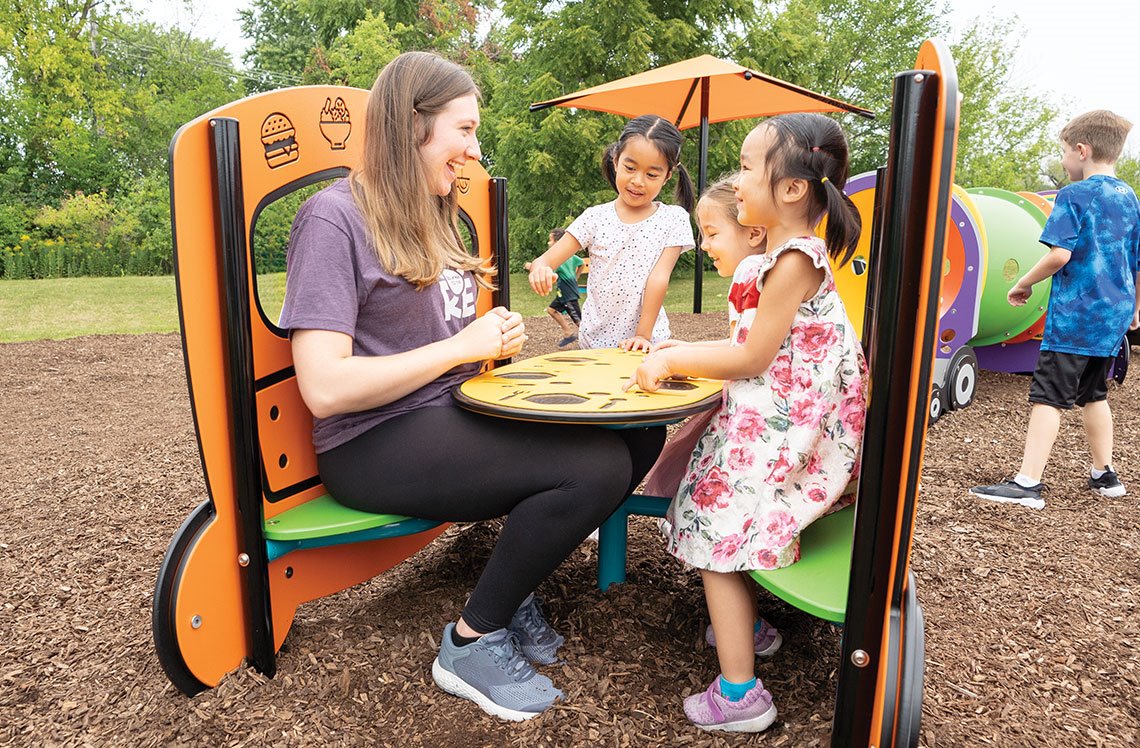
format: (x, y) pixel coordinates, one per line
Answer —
(513, 330)
(541, 277)
(636, 343)
(649, 375)
(497, 334)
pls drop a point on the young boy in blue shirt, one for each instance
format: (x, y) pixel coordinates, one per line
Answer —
(1093, 235)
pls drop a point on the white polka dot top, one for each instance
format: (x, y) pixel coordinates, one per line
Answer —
(621, 258)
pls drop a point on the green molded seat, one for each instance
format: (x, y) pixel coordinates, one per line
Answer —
(321, 517)
(322, 522)
(817, 583)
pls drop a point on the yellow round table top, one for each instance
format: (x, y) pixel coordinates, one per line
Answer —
(583, 387)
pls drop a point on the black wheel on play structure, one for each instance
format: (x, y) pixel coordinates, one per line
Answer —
(912, 670)
(165, 592)
(1120, 363)
(937, 404)
(962, 383)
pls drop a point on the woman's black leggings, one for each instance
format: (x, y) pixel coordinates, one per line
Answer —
(554, 483)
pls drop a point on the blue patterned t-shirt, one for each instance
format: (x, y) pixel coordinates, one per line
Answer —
(1094, 294)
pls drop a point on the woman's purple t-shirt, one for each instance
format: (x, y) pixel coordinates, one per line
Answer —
(334, 281)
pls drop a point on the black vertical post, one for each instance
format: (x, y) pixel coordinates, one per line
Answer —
(889, 476)
(230, 209)
(702, 179)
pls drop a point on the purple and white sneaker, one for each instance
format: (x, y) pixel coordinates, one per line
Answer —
(710, 710)
(766, 640)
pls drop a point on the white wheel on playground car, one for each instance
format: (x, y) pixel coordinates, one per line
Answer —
(937, 404)
(963, 378)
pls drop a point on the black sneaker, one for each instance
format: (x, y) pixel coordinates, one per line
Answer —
(1107, 485)
(1010, 492)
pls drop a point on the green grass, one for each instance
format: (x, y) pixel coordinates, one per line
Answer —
(69, 307)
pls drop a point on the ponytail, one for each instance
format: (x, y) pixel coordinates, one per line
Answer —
(609, 171)
(683, 193)
(844, 224)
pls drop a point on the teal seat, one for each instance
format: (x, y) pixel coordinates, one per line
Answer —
(817, 583)
(323, 522)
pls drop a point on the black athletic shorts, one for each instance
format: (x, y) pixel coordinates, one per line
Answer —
(566, 301)
(1065, 379)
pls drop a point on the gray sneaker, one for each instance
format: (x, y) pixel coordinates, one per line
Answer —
(539, 643)
(492, 673)
(1107, 485)
(1011, 492)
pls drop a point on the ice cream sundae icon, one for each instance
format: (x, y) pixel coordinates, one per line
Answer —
(336, 125)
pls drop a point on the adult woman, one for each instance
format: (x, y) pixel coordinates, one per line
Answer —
(380, 305)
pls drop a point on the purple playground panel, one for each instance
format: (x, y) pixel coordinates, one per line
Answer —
(1019, 358)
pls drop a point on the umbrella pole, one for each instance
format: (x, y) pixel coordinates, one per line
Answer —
(702, 178)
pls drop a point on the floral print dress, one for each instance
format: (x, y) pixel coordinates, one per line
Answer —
(784, 445)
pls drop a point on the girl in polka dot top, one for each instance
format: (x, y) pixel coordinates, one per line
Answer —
(634, 241)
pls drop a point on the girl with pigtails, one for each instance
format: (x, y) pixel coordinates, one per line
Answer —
(785, 443)
(633, 241)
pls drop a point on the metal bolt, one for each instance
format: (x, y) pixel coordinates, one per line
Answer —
(919, 77)
(288, 572)
(196, 622)
(243, 559)
(860, 658)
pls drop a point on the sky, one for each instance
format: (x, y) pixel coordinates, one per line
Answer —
(1081, 54)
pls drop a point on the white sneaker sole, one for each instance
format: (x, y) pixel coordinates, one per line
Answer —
(756, 724)
(1111, 493)
(456, 686)
(1031, 503)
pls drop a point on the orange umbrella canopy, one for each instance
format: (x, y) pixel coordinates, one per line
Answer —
(675, 93)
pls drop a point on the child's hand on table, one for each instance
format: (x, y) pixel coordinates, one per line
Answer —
(650, 373)
(636, 343)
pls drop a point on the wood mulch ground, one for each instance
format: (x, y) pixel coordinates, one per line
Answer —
(1031, 626)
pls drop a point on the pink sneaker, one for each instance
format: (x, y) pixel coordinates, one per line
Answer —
(712, 711)
(766, 640)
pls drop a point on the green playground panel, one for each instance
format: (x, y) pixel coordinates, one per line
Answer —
(322, 517)
(1013, 227)
(817, 583)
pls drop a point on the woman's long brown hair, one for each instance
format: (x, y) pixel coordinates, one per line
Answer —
(414, 231)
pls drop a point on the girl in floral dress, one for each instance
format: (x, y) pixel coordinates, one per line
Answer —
(786, 440)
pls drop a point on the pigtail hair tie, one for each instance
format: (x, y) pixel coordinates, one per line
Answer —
(824, 180)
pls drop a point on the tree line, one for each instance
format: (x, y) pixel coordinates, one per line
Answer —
(90, 96)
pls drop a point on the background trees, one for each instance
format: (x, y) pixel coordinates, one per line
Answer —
(90, 96)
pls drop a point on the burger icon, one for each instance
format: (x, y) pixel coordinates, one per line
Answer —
(277, 135)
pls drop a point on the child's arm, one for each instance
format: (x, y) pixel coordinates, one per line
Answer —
(790, 281)
(651, 300)
(542, 276)
(672, 342)
(1136, 309)
(1045, 268)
